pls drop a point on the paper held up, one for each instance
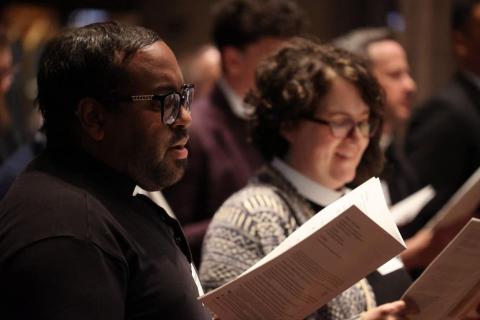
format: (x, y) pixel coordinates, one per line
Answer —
(461, 205)
(325, 256)
(449, 288)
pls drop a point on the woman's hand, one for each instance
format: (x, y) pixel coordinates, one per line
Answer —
(389, 311)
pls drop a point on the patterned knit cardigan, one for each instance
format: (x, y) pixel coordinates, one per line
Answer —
(251, 223)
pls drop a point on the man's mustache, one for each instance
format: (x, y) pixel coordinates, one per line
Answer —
(179, 134)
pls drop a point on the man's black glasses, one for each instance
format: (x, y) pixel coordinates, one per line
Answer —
(170, 102)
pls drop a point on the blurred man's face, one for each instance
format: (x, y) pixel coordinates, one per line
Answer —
(466, 43)
(6, 70)
(206, 69)
(240, 65)
(390, 66)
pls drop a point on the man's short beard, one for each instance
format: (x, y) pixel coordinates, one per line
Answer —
(151, 177)
(152, 168)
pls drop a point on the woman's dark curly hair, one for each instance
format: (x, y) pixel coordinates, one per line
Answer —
(292, 83)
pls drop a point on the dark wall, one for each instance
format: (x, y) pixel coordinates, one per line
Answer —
(185, 24)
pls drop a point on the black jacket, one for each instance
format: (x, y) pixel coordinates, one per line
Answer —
(443, 143)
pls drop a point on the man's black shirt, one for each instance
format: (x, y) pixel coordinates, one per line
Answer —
(75, 244)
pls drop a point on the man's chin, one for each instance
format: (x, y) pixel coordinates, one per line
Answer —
(162, 175)
(179, 171)
(404, 113)
(172, 173)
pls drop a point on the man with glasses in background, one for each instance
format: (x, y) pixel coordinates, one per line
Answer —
(77, 241)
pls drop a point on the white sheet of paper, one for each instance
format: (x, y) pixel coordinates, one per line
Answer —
(391, 266)
(406, 210)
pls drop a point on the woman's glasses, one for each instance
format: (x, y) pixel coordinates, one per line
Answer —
(343, 128)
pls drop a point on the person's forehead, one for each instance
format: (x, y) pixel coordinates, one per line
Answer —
(386, 53)
(384, 48)
(343, 96)
(157, 64)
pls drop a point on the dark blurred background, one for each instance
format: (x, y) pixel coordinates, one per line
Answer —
(185, 24)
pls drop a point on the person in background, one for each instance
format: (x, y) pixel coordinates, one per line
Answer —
(317, 118)
(202, 67)
(17, 161)
(443, 138)
(29, 26)
(9, 137)
(77, 241)
(389, 64)
(244, 31)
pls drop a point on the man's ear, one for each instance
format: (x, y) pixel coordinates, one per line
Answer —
(232, 60)
(91, 115)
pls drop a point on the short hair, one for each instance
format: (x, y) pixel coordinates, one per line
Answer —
(461, 13)
(292, 83)
(239, 23)
(85, 62)
(358, 40)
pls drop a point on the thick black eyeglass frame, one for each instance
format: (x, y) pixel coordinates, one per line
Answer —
(372, 126)
(185, 100)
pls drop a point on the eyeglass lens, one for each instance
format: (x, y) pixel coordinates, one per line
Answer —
(341, 130)
(171, 106)
(173, 102)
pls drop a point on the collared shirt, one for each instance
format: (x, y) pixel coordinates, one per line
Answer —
(159, 199)
(385, 141)
(76, 244)
(236, 103)
(307, 187)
